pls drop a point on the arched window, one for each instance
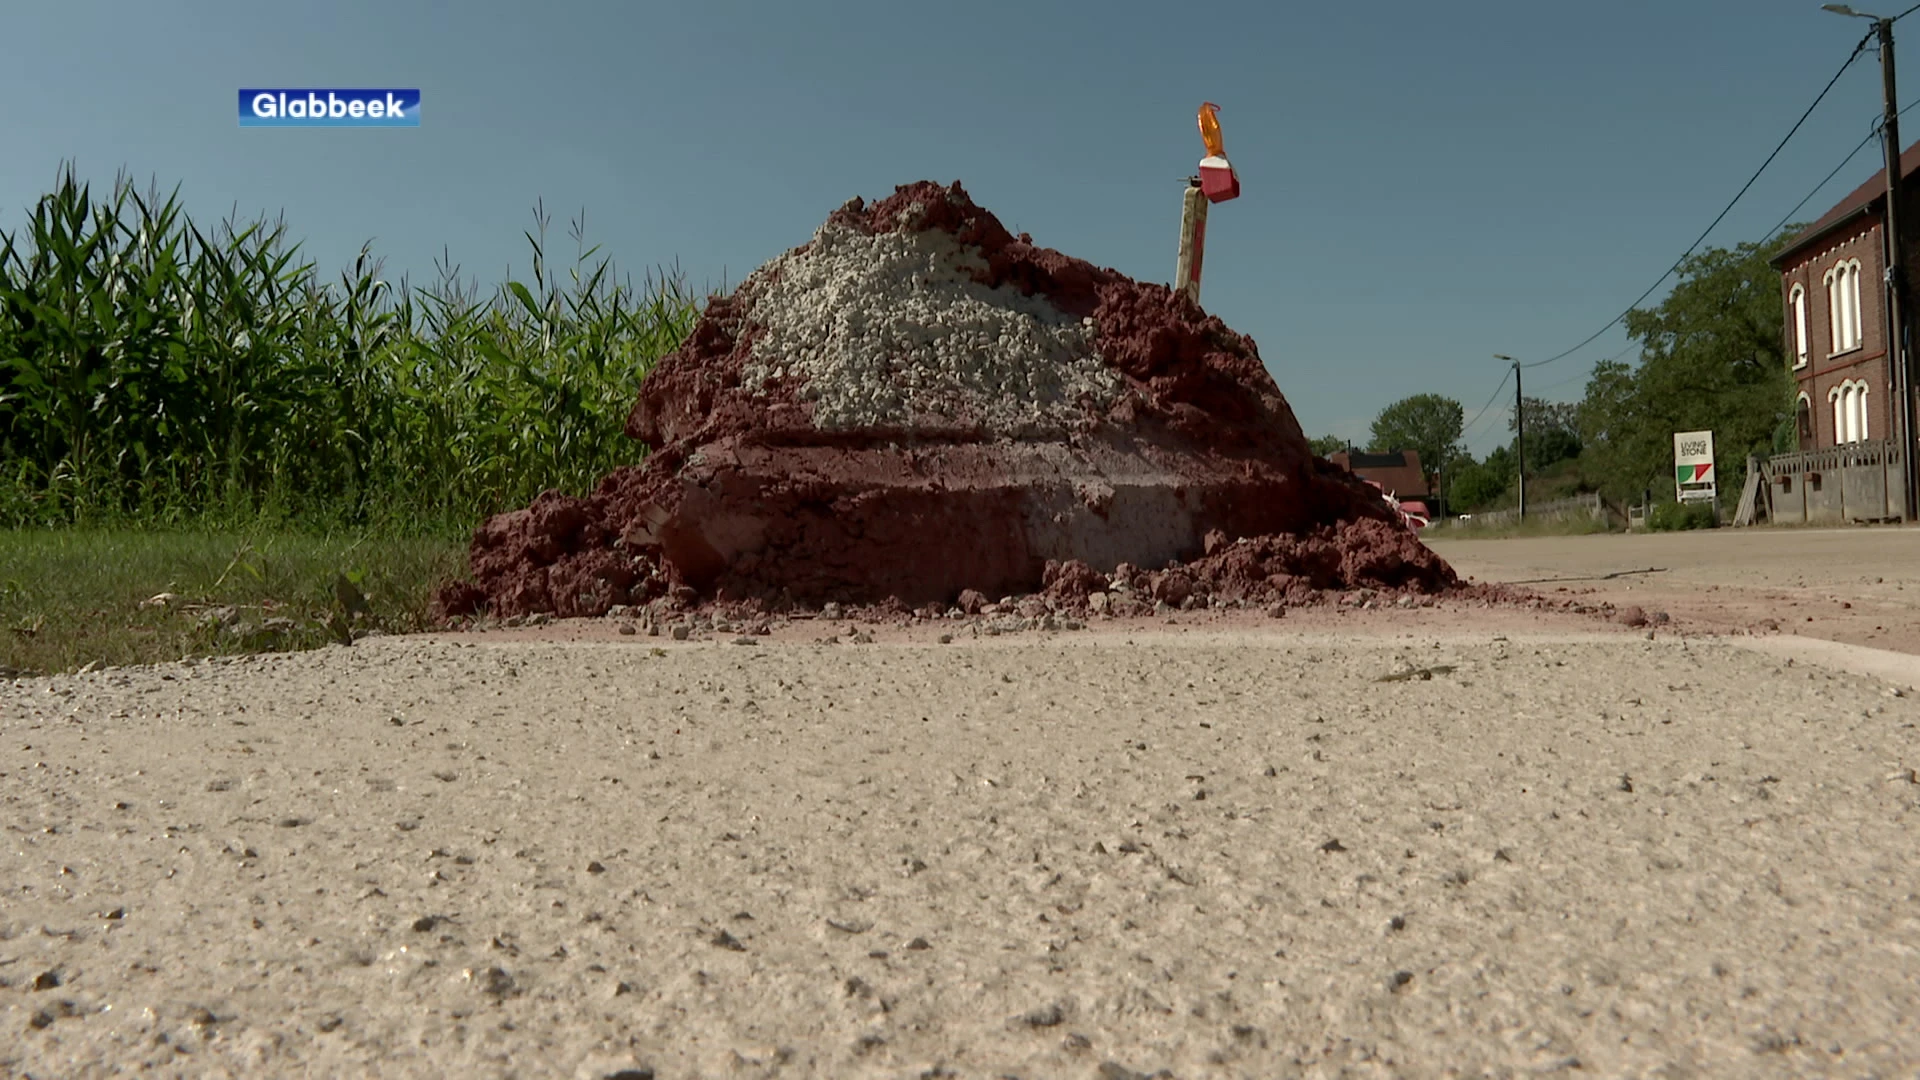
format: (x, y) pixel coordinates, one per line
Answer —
(1843, 305)
(1853, 306)
(1803, 415)
(1834, 334)
(1798, 303)
(1849, 411)
(1850, 300)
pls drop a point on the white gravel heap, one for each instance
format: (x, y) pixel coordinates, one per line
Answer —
(892, 330)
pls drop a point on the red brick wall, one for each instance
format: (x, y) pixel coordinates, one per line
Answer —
(1825, 371)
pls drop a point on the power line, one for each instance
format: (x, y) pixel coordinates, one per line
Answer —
(1848, 160)
(1727, 209)
(1589, 373)
(1488, 405)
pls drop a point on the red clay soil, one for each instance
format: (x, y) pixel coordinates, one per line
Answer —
(1197, 478)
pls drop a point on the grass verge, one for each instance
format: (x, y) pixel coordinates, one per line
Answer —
(73, 597)
(1474, 530)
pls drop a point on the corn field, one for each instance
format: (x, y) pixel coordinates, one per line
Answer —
(155, 373)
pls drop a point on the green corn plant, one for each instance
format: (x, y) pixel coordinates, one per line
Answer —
(154, 371)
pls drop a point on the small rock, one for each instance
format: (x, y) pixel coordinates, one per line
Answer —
(653, 629)
(46, 980)
(1277, 611)
(628, 629)
(972, 601)
(538, 618)
(1400, 979)
(492, 981)
(1098, 603)
(1051, 1016)
(832, 611)
(745, 640)
(681, 631)
(946, 639)
(1333, 845)
(1631, 616)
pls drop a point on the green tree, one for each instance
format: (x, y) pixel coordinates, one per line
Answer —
(1427, 424)
(1475, 485)
(1327, 445)
(1553, 432)
(1712, 358)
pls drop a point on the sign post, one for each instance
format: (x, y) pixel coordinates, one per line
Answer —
(1216, 182)
(1694, 479)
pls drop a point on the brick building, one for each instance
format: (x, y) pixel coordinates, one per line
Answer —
(1397, 472)
(1831, 281)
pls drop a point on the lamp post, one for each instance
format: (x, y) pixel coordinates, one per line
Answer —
(1519, 431)
(1899, 356)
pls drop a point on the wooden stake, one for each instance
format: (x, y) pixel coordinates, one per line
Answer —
(1193, 242)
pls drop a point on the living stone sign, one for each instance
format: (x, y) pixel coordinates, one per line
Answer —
(1693, 472)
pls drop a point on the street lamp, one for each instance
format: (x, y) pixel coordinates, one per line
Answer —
(1520, 431)
(1899, 356)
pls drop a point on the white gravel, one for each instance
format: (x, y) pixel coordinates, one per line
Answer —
(892, 330)
(1005, 857)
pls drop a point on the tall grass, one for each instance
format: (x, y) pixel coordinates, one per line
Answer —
(155, 373)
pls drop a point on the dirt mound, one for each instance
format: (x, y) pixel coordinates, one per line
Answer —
(917, 403)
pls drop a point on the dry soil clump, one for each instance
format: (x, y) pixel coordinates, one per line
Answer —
(917, 403)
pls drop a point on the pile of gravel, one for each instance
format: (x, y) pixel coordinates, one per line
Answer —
(896, 330)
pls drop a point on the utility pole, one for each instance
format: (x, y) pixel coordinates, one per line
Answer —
(1520, 431)
(1899, 355)
(1520, 437)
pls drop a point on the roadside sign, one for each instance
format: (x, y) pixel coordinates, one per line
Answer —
(1694, 479)
(1693, 457)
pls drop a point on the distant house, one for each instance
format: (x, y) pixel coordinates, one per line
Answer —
(1398, 472)
(1836, 317)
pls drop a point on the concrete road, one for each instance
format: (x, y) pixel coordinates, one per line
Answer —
(1860, 586)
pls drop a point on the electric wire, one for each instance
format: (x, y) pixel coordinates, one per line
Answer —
(1591, 338)
(1848, 160)
(1483, 409)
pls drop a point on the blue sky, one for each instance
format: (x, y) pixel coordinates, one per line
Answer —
(1424, 184)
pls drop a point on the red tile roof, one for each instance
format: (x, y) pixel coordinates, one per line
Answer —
(1397, 471)
(1866, 197)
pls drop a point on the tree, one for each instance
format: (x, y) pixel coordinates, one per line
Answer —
(1474, 485)
(1327, 445)
(1712, 358)
(1427, 424)
(1553, 432)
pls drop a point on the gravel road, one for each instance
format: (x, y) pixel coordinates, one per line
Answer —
(1143, 851)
